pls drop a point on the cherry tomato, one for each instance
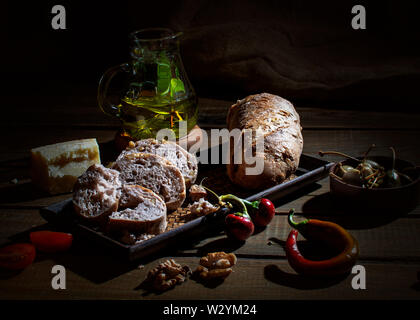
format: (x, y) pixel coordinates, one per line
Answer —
(50, 241)
(238, 227)
(17, 256)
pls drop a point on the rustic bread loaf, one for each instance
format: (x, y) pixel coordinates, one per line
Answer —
(283, 142)
(155, 173)
(96, 193)
(140, 211)
(181, 158)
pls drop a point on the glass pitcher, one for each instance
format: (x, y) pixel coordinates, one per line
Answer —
(157, 93)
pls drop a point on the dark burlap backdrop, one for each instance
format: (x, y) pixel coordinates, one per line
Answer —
(305, 51)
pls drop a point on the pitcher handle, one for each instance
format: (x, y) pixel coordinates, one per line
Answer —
(107, 107)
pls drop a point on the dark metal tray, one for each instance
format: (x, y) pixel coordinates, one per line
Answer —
(310, 170)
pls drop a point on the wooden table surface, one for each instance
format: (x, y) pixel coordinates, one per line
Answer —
(389, 246)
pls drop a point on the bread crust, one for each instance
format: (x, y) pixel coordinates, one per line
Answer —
(279, 123)
(155, 225)
(137, 227)
(181, 158)
(100, 220)
(192, 164)
(145, 168)
(97, 180)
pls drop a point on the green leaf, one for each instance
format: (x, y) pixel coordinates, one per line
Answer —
(164, 74)
(177, 86)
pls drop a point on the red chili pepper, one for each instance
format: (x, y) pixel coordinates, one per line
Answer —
(330, 234)
(50, 241)
(261, 211)
(17, 256)
(239, 224)
(238, 227)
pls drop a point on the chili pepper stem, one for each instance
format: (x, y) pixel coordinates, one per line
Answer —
(237, 200)
(293, 224)
(253, 204)
(221, 203)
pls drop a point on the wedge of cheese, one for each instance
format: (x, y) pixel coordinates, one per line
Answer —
(56, 167)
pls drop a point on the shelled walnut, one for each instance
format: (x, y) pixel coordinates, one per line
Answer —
(205, 274)
(218, 260)
(215, 266)
(197, 192)
(202, 208)
(166, 275)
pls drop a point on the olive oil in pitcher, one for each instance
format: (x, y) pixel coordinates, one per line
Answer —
(158, 94)
(144, 117)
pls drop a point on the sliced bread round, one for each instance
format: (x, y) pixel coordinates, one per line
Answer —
(96, 192)
(181, 158)
(155, 173)
(140, 211)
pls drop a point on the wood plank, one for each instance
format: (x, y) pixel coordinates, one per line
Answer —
(14, 163)
(312, 201)
(383, 239)
(24, 194)
(389, 245)
(263, 279)
(213, 113)
(94, 274)
(353, 142)
(318, 201)
(80, 109)
(15, 223)
(16, 143)
(356, 142)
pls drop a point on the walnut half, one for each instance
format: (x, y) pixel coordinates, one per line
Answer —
(218, 260)
(206, 274)
(215, 266)
(166, 275)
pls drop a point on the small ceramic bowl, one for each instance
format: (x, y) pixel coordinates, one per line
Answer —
(379, 200)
